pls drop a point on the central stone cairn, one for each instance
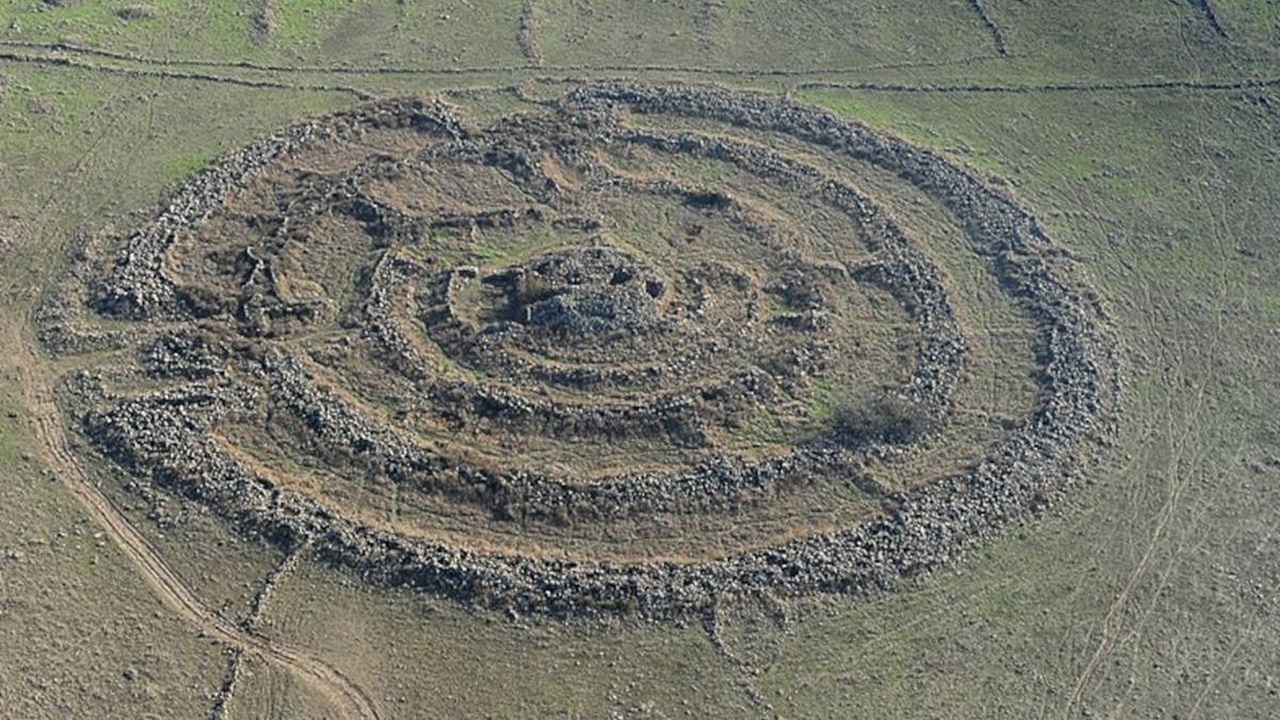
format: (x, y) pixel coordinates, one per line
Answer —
(640, 350)
(588, 293)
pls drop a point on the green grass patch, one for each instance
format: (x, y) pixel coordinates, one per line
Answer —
(304, 23)
(891, 113)
(180, 166)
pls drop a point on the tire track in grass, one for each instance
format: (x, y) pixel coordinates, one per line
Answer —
(1176, 481)
(37, 383)
(1178, 474)
(331, 683)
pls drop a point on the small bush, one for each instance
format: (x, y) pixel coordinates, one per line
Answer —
(265, 22)
(136, 12)
(883, 417)
(535, 288)
(41, 106)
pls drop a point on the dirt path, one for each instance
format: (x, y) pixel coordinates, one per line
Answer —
(347, 698)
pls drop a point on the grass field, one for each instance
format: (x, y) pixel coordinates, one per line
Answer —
(1145, 137)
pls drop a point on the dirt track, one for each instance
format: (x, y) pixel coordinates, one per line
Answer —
(347, 698)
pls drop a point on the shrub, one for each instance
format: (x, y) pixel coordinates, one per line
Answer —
(136, 12)
(265, 22)
(884, 417)
(535, 288)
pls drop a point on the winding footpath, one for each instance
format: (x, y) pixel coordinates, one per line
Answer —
(347, 698)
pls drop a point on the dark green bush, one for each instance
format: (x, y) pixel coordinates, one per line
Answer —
(883, 417)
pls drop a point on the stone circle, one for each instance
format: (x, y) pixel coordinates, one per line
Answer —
(640, 349)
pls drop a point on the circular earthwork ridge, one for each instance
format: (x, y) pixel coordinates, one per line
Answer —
(636, 349)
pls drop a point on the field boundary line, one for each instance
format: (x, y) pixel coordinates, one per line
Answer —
(76, 49)
(61, 61)
(1024, 88)
(235, 656)
(1210, 17)
(528, 35)
(997, 35)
